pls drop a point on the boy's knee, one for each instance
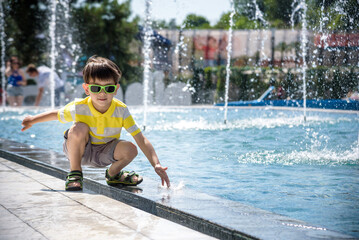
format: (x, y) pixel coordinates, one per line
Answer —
(133, 150)
(127, 151)
(79, 131)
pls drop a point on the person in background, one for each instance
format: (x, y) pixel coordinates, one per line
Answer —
(222, 50)
(209, 49)
(352, 95)
(15, 80)
(281, 93)
(44, 73)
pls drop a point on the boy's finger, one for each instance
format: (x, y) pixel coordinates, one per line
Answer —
(167, 181)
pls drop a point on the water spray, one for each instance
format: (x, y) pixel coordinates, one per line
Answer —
(147, 60)
(229, 52)
(53, 52)
(3, 67)
(260, 17)
(303, 44)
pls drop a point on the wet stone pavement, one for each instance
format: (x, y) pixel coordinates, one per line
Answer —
(34, 205)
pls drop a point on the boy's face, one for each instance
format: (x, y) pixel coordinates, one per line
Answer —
(101, 100)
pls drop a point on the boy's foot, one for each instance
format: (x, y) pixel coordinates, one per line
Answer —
(124, 178)
(74, 181)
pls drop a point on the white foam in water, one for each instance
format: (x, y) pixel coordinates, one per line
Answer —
(166, 192)
(311, 156)
(139, 110)
(260, 123)
(179, 186)
(15, 113)
(174, 187)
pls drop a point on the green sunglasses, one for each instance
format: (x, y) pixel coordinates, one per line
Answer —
(98, 88)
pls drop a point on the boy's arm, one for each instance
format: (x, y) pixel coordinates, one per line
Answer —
(151, 155)
(42, 117)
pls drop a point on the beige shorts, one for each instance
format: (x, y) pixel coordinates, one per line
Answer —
(96, 155)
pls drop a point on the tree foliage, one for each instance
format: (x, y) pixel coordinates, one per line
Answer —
(278, 12)
(104, 30)
(194, 21)
(334, 15)
(26, 29)
(239, 22)
(162, 24)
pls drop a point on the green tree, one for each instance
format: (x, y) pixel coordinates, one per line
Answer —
(25, 29)
(193, 21)
(162, 24)
(104, 30)
(278, 12)
(239, 22)
(334, 15)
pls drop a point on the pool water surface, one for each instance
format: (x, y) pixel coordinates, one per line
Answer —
(264, 157)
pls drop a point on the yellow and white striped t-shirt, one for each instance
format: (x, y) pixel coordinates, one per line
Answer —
(104, 127)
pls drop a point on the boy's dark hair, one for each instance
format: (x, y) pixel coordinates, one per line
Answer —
(102, 69)
(31, 68)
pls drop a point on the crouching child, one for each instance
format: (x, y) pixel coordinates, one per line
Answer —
(94, 138)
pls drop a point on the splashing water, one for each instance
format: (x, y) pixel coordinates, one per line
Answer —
(147, 59)
(313, 156)
(53, 51)
(259, 15)
(303, 44)
(181, 49)
(229, 52)
(65, 40)
(2, 41)
(202, 124)
(323, 18)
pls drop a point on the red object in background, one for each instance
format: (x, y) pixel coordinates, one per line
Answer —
(337, 40)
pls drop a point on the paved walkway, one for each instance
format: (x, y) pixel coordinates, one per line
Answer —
(34, 205)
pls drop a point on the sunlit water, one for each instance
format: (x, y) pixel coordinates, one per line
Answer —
(262, 157)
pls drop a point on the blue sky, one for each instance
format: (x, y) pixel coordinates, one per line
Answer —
(179, 9)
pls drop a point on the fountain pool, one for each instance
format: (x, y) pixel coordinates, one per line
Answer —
(265, 157)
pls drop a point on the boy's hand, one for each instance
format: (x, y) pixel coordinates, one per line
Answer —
(161, 171)
(27, 123)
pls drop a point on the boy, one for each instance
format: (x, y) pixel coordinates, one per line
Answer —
(98, 119)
